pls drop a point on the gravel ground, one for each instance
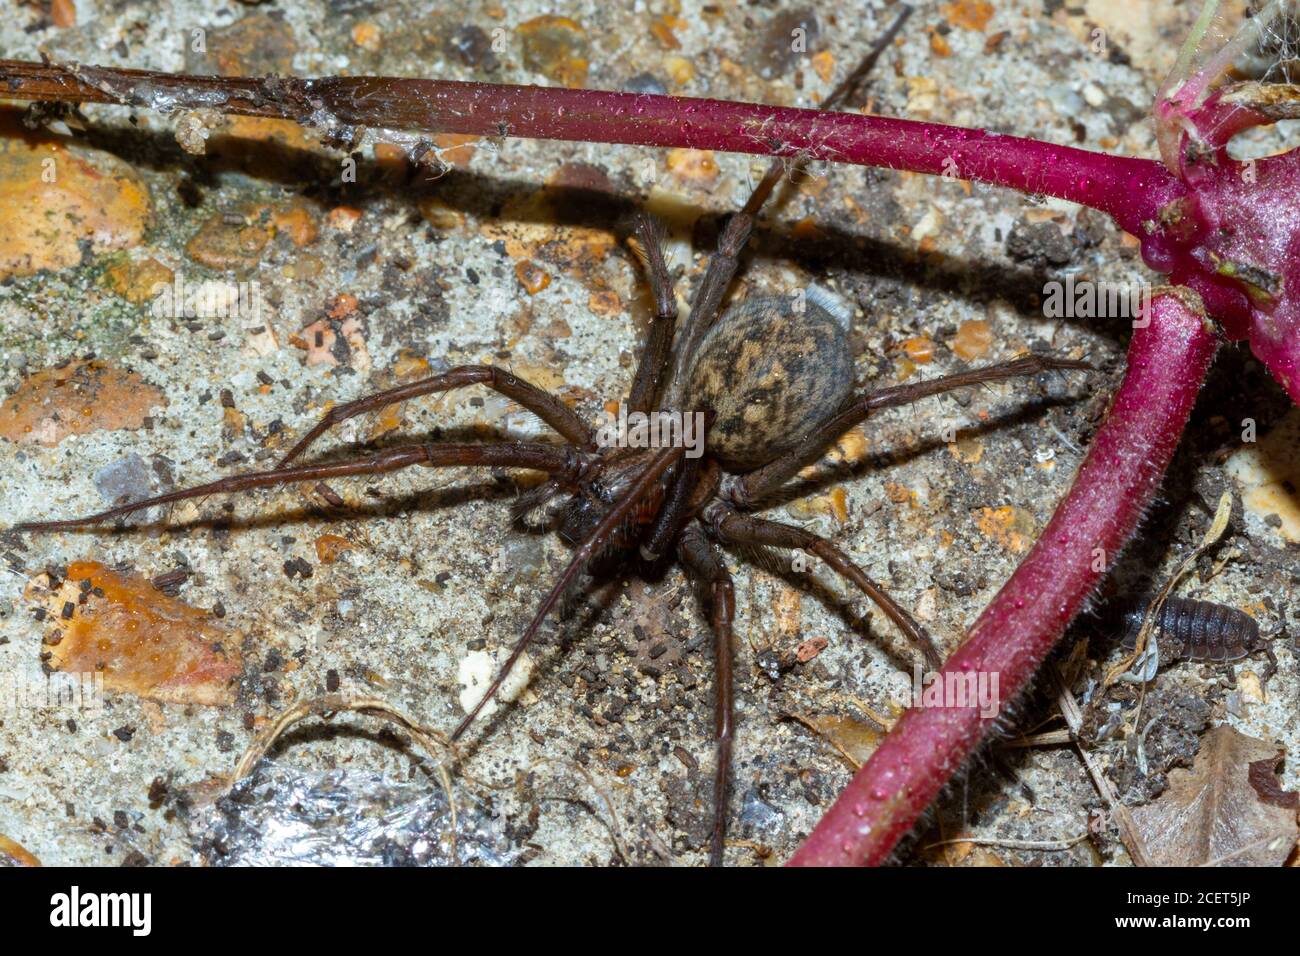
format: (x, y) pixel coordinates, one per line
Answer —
(603, 757)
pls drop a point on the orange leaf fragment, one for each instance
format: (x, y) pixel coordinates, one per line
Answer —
(855, 739)
(330, 546)
(16, 853)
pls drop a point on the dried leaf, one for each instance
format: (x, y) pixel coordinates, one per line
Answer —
(854, 738)
(1228, 810)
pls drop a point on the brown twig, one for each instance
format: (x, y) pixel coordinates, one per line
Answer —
(1123, 819)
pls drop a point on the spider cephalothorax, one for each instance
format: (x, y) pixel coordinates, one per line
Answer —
(770, 385)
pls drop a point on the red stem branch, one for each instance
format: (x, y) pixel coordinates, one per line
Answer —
(1167, 362)
(1130, 190)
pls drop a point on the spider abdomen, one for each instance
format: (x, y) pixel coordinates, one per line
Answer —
(770, 369)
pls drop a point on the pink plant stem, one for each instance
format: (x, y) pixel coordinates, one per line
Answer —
(1130, 190)
(1167, 362)
(1109, 183)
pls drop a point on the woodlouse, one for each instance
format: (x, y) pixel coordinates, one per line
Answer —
(1192, 630)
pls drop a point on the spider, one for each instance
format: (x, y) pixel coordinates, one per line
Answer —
(771, 377)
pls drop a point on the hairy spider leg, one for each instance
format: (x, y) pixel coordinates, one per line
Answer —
(734, 528)
(591, 546)
(549, 458)
(702, 560)
(762, 482)
(549, 408)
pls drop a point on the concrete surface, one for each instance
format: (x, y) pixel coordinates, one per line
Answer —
(437, 573)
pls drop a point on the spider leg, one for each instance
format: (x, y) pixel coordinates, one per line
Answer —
(734, 528)
(708, 299)
(657, 350)
(695, 482)
(702, 560)
(758, 484)
(549, 408)
(591, 546)
(555, 459)
(834, 100)
(722, 267)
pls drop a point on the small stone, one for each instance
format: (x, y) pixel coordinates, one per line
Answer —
(922, 94)
(533, 278)
(789, 37)
(973, 340)
(1267, 472)
(694, 166)
(919, 349)
(439, 215)
(124, 480)
(824, 65)
(63, 13)
(77, 398)
(138, 282)
(605, 302)
(223, 245)
(472, 47)
(1039, 243)
(255, 45)
(193, 127)
(680, 70)
(330, 546)
(811, 648)
(297, 567)
(367, 36)
(556, 47)
(343, 218)
(645, 83)
(969, 14)
(1012, 527)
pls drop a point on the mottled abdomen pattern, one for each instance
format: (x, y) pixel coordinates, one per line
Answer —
(1200, 631)
(769, 373)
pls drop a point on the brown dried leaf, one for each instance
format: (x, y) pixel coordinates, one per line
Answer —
(1226, 811)
(853, 738)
